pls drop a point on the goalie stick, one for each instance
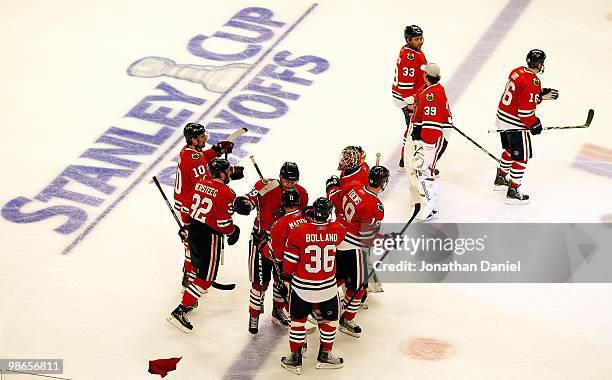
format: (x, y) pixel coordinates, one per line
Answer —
(586, 124)
(215, 285)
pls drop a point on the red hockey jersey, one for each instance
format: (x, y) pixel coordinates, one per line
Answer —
(266, 196)
(347, 181)
(361, 215)
(212, 203)
(432, 110)
(408, 75)
(310, 258)
(279, 233)
(192, 166)
(518, 103)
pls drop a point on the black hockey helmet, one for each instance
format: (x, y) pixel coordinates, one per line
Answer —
(289, 172)
(535, 59)
(379, 176)
(218, 166)
(193, 130)
(412, 31)
(290, 198)
(322, 209)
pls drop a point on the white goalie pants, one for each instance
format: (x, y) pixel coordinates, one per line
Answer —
(420, 159)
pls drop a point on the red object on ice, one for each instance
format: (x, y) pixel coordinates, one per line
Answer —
(163, 366)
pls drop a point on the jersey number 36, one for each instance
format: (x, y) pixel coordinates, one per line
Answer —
(320, 258)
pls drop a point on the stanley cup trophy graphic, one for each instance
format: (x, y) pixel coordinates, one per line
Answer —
(213, 78)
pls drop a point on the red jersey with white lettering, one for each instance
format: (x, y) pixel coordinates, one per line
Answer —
(212, 203)
(310, 258)
(347, 181)
(432, 112)
(518, 103)
(266, 196)
(192, 166)
(279, 233)
(408, 75)
(361, 214)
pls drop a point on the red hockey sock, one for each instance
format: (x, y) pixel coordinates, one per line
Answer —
(327, 332)
(194, 291)
(297, 334)
(351, 310)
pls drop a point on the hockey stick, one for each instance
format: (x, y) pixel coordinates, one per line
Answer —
(475, 143)
(215, 285)
(586, 124)
(239, 132)
(377, 159)
(416, 198)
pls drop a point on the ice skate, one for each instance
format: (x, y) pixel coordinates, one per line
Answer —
(293, 362)
(254, 325)
(280, 318)
(326, 359)
(350, 327)
(375, 287)
(515, 197)
(501, 182)
(178, 318)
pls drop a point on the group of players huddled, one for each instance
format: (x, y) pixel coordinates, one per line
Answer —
(306, 253)
(296, 246)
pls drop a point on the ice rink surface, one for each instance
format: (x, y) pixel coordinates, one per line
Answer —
(90, 264)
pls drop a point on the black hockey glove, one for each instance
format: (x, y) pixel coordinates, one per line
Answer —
(237, 173)
(223, 147)
(536, 129)
(242, 205)
(549, 94)
(233, 237)
(333, 181)
(183, 233)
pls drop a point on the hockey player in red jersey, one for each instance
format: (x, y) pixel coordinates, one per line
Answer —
(362, 214)
(432, 117)
(353, 168)
(192, 166)
(211, 209)
(516, 116)
(408, 76)
(309, 266)
(266, 198)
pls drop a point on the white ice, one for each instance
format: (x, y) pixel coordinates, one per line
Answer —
(102, 307)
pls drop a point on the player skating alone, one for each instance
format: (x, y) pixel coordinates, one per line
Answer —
(408, 77)
(266, 198)
(433, 118)
(361, 216)
(309, 268)
(516, 115)
(192, 166)
(211, 210)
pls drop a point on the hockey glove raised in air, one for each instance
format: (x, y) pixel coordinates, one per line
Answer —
(549, 94)
(332, 182)
(233, 237)
(237, 173)
(536, 129)
(242, 205)
(223, 147)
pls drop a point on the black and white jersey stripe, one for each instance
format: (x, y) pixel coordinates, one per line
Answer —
(405, 85)
(291, 257)
(507, 121)
(303, 284)
(224, 223)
